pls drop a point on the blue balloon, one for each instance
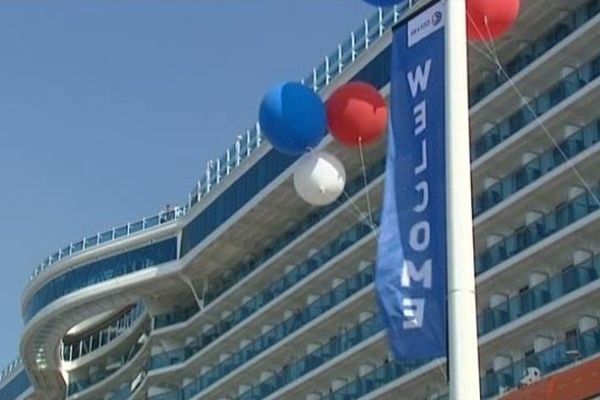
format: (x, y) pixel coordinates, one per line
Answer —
(383, 3)
(293, 118)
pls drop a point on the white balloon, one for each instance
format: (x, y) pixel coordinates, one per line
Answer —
(320, 178)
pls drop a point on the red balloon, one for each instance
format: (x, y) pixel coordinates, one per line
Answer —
(357, 113)
(490, 19)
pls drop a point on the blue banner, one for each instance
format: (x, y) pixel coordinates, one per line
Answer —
(412, 258)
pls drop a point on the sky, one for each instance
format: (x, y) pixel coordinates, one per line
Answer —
(110, 109)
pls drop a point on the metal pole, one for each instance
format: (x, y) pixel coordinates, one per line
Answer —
(462, 324)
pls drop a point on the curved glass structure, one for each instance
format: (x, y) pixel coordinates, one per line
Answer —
(101, 336)
(78, 385)
(101, 271)
(89, 242)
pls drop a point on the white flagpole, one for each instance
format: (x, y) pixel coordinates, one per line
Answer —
(462, 323)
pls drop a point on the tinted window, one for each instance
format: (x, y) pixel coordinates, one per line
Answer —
(100, 271)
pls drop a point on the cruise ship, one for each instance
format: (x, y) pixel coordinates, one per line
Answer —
(247, 292)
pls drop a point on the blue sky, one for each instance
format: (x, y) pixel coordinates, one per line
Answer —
(109, 109)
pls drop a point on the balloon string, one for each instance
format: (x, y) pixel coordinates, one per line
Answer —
(360, 216)
(364, 172)
(493, 57)
(358, 213)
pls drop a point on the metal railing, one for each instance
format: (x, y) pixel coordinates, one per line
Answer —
(96, 340)
(10, 368)
(107, 236)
